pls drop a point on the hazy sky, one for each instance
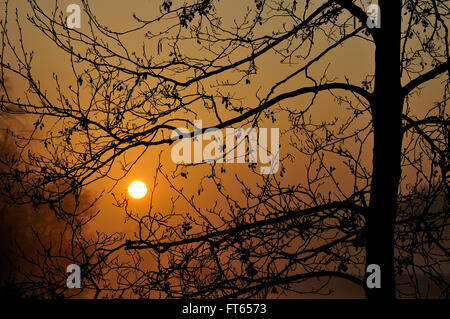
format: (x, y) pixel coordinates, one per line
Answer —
(355, 61)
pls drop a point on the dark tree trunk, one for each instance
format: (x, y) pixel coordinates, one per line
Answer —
(386, 111)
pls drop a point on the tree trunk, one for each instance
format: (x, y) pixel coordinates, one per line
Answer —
(386, 108)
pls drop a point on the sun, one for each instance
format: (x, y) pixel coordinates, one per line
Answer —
(137, 189)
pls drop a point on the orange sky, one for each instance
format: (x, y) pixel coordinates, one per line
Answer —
(354, 61)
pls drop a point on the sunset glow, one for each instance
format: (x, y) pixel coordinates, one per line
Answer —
(137, 189)
(296, 155)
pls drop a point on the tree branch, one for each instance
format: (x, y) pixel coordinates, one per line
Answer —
(290, 279)
(426, 77)
(162, 247)
(266, 105)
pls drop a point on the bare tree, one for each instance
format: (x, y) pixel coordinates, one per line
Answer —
(392, 157)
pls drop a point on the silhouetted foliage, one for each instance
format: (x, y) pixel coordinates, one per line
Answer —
(372, 169)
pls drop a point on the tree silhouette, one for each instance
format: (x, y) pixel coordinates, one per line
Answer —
(375, 187)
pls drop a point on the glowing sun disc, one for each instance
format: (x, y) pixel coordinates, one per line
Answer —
(137, 189)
